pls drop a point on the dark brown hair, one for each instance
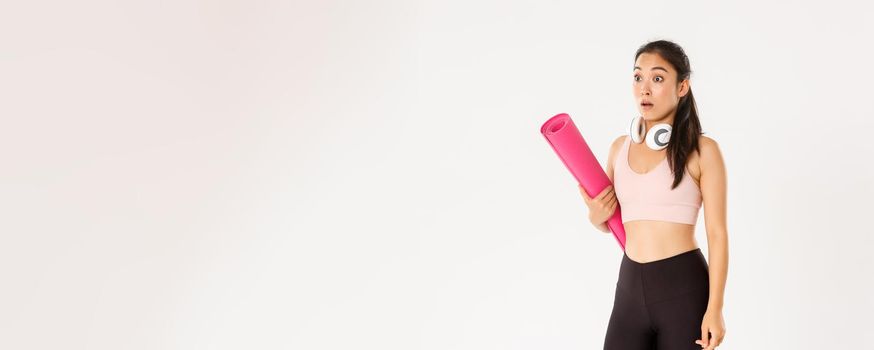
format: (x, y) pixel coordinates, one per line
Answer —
(686, 127)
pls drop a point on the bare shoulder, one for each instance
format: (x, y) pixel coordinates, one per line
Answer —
(703, 139)
(619, 139)
(708, 146)
(614, 147)
(711, 155)
(617, 143)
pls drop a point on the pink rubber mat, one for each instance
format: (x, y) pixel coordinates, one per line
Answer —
(567, 142)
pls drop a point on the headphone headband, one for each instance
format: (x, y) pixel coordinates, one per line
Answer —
(657, 137)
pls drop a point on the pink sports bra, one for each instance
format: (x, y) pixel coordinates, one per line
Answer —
(648, 196)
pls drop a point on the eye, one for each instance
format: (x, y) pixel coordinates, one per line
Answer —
(660, 77)
(635, 77)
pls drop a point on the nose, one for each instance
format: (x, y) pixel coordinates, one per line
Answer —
(644, 89)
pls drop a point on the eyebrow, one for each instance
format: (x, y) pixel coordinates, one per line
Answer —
(653, 68)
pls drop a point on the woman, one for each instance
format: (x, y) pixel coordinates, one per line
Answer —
(666, 295)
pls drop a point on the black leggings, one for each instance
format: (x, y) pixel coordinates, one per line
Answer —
(659, 304)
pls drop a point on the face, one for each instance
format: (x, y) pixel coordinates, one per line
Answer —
(655, 82)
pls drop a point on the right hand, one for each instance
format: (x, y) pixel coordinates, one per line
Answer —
(602, 206)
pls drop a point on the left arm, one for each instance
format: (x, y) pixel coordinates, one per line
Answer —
(713, 190)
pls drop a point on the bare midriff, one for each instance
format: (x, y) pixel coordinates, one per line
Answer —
(650, 240)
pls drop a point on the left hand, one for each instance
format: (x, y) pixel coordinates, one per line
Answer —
(713, 324)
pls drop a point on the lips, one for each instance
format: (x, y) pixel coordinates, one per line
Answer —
(646, 105)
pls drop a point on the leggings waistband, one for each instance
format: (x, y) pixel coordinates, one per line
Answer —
(666, 278)
(683, 255)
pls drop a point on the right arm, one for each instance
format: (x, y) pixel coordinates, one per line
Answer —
(602, 206)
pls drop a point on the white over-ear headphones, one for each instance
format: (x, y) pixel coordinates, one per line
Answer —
(657, 138)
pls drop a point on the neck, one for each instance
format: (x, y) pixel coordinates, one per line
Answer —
(667, 119)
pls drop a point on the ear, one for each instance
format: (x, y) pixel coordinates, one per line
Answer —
(684, 88)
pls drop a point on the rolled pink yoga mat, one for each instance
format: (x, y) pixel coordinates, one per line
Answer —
(567, 142)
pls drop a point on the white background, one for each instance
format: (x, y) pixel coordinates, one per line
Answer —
(370, 175)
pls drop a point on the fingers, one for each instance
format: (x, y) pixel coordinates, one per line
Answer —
(715, 340)
(606, 191)
(704, 338)
(609, 208)
(608, 200)
(605, 202)
(612, 201)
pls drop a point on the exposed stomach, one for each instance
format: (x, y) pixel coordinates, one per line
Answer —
(649, 240)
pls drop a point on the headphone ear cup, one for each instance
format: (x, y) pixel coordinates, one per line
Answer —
(637, 128)
(658, 136)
